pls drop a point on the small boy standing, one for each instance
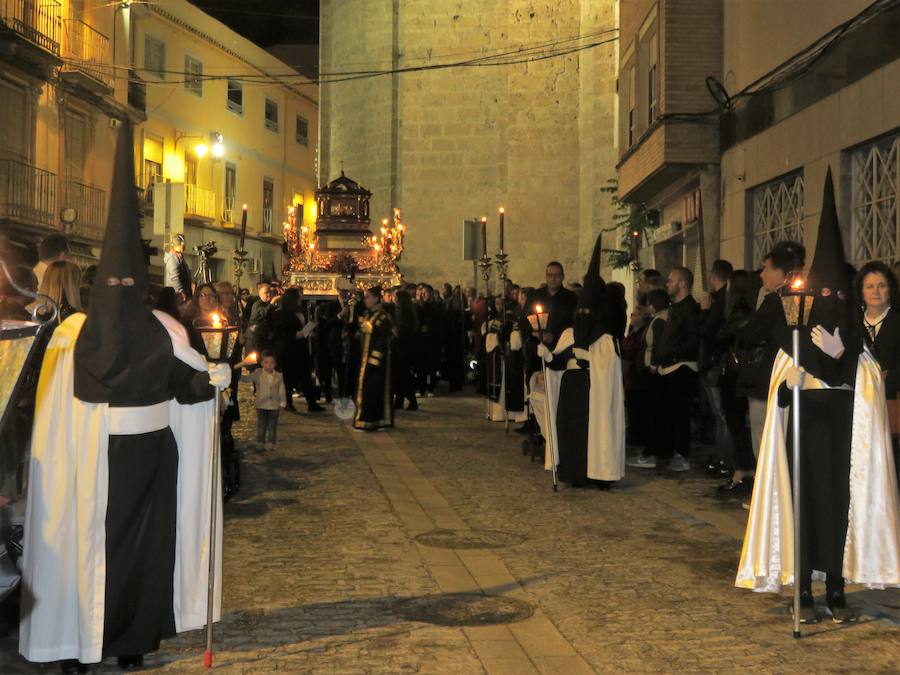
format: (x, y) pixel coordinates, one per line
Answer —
(270, 399)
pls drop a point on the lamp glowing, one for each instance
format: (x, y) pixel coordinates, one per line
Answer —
(201, 149)
(216, 320)
(218, 147)
(797, 284)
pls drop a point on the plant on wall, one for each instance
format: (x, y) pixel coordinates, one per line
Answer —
(632, 222)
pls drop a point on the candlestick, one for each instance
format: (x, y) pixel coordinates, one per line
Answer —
(502, 214)
(243, 227)
(484, 235)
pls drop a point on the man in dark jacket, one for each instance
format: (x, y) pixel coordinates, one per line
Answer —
(559, 301)
(712, 347)
(757, 340)
(259, 321)
(675, 355)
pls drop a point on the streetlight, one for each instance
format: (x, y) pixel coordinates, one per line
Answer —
(218, 147)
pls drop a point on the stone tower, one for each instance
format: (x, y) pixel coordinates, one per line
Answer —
(452, 144)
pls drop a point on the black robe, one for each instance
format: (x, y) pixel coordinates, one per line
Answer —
(141, 509)
(514, 365)
(374, 407)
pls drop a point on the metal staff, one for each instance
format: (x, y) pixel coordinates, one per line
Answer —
(796, 295)
(541, 317)
(219, 341)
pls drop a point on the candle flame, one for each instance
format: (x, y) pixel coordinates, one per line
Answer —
(483, 219)
(797, 284)
(251, 357)
(245, 207)
(384, 221)
(216, 320)
(502, 210)
(538, 309)
(312, 246)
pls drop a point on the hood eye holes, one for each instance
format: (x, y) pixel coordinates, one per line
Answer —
(113, 281)
(127, 281)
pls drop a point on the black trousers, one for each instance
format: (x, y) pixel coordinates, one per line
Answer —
(735, 408)
(678, 389)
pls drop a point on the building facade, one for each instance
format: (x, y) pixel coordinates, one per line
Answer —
(668, 146)
(447, 145)
(186, 81)
(770, 95)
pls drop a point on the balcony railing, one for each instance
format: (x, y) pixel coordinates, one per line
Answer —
(38, 21)
(88, 51)
(90, 204)
(267, 221)
(199, 202)
(27, 193)
(228, 210)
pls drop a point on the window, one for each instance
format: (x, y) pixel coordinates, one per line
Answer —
(151, 170)
(302, 131)
(190, 170)
(235, 96)
(230, 192)
(652, 81)
(268, 203)
(13, 121)
(76, 140)
(632, 99)
(155, 56)
(193, 75)
(777, 214)
(875, 211)
(271, 115)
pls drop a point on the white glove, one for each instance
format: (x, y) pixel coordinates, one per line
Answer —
(828, 343)
(515, 340)
(219, 375)
(795, 377)
(544, 353)
(582, 354)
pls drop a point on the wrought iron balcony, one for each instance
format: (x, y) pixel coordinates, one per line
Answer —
(267, 221)
(38, 21)
(199, 202)
(89, 203)
(228, 210)
(87, 51)
(27, 193)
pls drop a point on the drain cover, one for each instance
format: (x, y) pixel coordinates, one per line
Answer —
(463, 609)
(469, 538)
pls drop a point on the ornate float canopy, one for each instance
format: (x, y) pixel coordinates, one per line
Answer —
(341, 243)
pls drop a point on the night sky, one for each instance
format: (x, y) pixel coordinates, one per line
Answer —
(268, 22)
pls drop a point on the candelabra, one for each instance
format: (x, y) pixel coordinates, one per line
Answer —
(502, 266)
(485, 264)
(239, 258)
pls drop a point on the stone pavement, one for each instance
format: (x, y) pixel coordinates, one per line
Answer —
(437, 547)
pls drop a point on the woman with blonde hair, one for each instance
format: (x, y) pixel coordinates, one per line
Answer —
(62, 284)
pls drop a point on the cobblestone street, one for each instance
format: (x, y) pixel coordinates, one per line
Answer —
(333, 564)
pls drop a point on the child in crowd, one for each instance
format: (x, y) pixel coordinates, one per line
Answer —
(270, 399)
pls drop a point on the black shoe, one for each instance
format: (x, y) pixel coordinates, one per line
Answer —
(315, 408)
(836, 607)
(740, 488)
(604, 485)
(714, 467)
(413, 406)
(807, 608)
(131, 662)
(73, 666)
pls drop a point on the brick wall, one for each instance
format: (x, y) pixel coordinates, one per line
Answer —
(535, 138)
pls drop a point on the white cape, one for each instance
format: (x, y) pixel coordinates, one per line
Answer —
(552, 385)
(606, 419)
(872, 548)
(64, 558)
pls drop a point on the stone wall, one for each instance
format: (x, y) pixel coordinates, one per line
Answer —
(457, 143)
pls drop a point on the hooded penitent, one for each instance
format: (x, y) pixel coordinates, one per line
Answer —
(829, 283)
(592, 303)
(115, 334)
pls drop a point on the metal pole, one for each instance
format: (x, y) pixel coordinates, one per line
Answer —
(214, 492)
(795, 412)
(551, 442)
